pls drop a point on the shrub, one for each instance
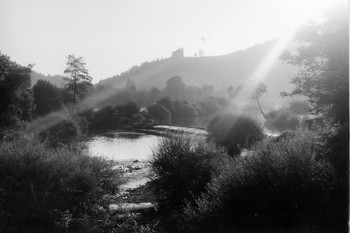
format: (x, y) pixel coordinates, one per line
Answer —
(299, 107)
(159, 112)
(104, 119)
(189, 110)
(43, 184)
(234, 132)
(183, 166)
(333, 147)
(282, 120)
(128, 110)
(47, 98)
(65, 132)
(167, 103)
(279, 184)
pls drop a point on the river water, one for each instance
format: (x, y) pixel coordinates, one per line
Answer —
(121, 145)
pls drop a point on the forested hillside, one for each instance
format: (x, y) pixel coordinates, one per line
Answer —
(219, 71)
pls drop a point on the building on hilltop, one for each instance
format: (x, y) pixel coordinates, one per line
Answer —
(179, 53)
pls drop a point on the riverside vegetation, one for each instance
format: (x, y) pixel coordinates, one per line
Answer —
(236, 180)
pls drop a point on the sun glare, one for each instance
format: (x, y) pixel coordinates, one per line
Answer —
(302, 12)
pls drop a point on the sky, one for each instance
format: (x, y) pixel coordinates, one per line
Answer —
(114, 35)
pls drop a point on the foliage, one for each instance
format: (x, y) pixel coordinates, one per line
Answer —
(299, 107)
(278, 184)
(333, 147)
(16, 98)
(77, 77)
(110, 118)
(234, 132)
(183, 166)
(65, 132)
(324, 58)
(130, 85)
(159, 112)
(281, 120)
(175, 88)
(208, 106)
(47, 98)
(128, 109)
(168, 103)
(44, 185)
(104, 119)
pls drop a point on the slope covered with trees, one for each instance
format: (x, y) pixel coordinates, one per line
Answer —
(219, 71)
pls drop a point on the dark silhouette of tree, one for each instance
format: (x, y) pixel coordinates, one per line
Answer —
(16, 98)
(77, 78)
(299, 107)
(159, 112)
(260, 89)
(47, 97)
(175, 88)
(324, 58)
(234, 132)
(128, 109)
(154, 94)
(168, 103)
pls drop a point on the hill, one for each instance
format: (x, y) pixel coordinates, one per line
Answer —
(56, 80)
(219, 71)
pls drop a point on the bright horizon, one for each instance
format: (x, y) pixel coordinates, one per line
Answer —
(113, 36)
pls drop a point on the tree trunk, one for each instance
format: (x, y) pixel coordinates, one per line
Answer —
(257, 100)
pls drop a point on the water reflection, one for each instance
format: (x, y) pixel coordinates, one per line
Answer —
(123, 145)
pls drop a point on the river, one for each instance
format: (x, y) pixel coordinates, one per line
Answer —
(123, 145)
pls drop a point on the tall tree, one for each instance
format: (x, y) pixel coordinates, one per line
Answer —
(324, 60)
(16, 98)
(77, 77)
(47, 97)
(175, 88)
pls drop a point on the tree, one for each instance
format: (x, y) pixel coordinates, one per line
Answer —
(77, 77)
(260, 89)
(16, 98)
(159, 112)
(324, 58)
(130, 85)
(234, 132)
(168, 103)
(47, 97)
(299, 107)
(175, 88)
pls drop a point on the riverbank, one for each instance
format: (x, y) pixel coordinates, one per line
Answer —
(136, 193)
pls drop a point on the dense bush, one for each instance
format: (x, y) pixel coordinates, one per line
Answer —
(104, 119)
(183, 166)
(281, 120)
(39, 184)
(66, 132)
(299, 107)
(167, 102)
(189, 110)
(333, 147)
(128, 110)
(234, 132)
(159, 112)
(110, 117)
(279, 184)
(47, 98)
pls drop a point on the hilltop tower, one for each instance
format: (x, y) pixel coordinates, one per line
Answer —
(179, 53)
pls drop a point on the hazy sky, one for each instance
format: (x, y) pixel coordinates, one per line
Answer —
(113, 35)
